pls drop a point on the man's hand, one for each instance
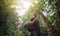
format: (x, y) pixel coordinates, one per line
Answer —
(35, 18)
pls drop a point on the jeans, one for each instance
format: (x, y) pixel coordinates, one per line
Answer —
(33, 33)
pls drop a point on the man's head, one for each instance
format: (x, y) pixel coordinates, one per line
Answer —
(35, 14)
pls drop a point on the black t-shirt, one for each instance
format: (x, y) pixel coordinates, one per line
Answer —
(36, 25)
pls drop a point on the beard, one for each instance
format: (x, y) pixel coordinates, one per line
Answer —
(35, 15)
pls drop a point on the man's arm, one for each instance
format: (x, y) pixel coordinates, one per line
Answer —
(31, 22)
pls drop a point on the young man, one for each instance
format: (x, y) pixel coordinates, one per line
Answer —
(34, 25)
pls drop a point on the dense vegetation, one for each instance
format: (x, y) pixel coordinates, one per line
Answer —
(51, 8)
(8, 17)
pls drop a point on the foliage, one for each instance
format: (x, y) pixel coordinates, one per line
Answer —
(7, 18)
(51, 8)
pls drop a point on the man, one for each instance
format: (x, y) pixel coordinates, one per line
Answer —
(34, 25)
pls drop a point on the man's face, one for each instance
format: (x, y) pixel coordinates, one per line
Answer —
(35, 14)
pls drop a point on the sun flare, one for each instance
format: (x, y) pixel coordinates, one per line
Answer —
(24, 5)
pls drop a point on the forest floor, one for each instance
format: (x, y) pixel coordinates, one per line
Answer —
(20, 33)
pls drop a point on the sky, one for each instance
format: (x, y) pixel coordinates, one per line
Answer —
(22, 6)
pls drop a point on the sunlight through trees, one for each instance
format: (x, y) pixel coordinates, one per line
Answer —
(13, 10)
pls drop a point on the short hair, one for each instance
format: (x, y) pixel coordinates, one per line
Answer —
(35, 13)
